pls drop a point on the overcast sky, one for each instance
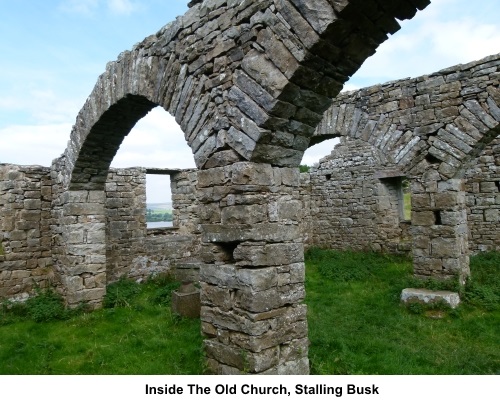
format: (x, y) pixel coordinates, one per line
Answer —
(52, 52)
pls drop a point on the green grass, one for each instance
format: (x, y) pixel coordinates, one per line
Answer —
(137, 334)
(356, 326)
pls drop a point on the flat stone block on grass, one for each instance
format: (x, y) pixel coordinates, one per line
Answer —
(430, 297)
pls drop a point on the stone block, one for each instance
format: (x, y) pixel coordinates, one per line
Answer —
(243, 214)
(281, 334)
(257, 301)
(211, 177)
(423, 218)
(451, 185)
(221, 275)
(246, 173)
(186, 301)
(215, 296)
(289, 210)
(81, 296)
(428, 297)
(297, 367)
(449, 200)
(257, 279)
(269, 255)
(492, 215)
(445, 247)
(453, 217)
(235, 320)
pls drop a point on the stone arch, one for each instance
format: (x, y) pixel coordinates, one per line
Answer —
(258, 88)
(247, 82)
(445, 117)
(431, 128)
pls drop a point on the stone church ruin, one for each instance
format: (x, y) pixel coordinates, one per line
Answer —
(252, 85)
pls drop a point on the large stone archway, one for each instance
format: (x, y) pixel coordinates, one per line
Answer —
(429, 128)
(248, 82)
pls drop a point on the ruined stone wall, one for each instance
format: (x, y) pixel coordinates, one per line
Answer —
(356, 201)
(125, 222)
(27, 229)
(25, 218)
(186, 208)
(483, 199)
(431, 127)
(132, 250)
(340, 216)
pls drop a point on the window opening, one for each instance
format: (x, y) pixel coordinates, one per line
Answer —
(156, 141)
(158, 201)
(396, 194)
(406, 199)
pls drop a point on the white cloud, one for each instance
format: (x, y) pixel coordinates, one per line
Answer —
(90, 7)
(42, 105)
(464, 40)
(85, 7)
(438, 37)
(33, 144)
(158, 189)
(125, 7)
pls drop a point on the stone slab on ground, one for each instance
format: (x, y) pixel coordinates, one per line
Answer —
(429, 297)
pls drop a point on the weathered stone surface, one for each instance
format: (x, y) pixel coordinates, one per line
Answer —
(186, 304)
(269, 255)
(430, 297)
(248, 83)
(256, 232)
(454, 122)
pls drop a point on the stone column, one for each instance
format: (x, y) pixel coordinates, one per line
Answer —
(80, 247)
(439, 228)
(252, 279)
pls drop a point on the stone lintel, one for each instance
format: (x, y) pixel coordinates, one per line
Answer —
(153, 170)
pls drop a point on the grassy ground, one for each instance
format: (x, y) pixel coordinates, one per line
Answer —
(356, 326)
(135, 334)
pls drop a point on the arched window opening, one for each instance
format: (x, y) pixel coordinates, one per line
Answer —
(157, 144)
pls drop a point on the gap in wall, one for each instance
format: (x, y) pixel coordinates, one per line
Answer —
(158, 201)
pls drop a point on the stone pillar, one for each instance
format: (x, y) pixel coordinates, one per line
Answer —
(439, 228)
(80, 247)
(252, 279)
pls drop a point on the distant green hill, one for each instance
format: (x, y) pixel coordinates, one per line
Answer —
(159, 212)
(159, 206)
